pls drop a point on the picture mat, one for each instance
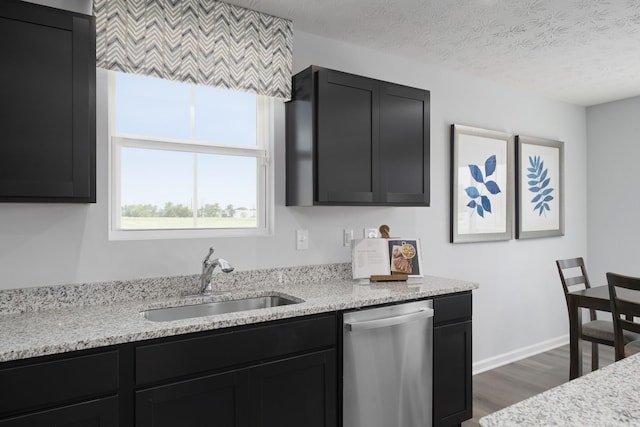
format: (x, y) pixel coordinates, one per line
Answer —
(551, 152)
(474, 149)
(474, 146)
(531, 220)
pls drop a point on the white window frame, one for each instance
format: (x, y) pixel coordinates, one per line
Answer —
(265, 173)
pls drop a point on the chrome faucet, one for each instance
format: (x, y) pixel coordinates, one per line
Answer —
(207, 270)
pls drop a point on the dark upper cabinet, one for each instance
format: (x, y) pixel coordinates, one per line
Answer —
(353, 140)
(47, 104)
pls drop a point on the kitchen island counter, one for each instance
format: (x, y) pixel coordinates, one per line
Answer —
(606, 397)
(43, 321)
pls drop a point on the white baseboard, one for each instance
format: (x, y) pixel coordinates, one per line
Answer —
(521, 353)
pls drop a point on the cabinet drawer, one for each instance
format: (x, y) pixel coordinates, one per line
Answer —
(45, 383)
(95, 413)
(156, 362)
(452, 308)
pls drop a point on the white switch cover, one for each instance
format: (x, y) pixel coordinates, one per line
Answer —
(302, 239)
(347, 237)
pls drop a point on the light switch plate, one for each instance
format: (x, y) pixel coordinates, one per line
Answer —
(347, 236)
(302, 239)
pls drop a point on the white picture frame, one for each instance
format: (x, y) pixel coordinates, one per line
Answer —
(539, 187)
(481, 184)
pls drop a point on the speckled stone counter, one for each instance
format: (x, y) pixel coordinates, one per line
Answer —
(48, 320)
(607, 397)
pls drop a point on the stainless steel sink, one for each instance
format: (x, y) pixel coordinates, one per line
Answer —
(218, 307)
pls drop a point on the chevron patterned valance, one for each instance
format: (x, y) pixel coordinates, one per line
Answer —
(206, 42)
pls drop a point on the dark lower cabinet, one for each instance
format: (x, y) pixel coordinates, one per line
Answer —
(76, 390)
(452, 364)
(297, 391)
(195, 402)
(300, 391)
(274, 374)
(95, 413)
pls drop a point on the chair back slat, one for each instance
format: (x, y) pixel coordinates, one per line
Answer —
(623, 306)
(570, 263)
(572, 281)
(627, 308)
(628, 325)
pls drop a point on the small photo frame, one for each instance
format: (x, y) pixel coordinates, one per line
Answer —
(405, 257)
(539, 188)
(481, 184)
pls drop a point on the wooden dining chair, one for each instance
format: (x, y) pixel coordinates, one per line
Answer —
(595, 331)
(624, 309)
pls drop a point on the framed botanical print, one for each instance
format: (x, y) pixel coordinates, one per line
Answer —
(481, 184)
(539, 187)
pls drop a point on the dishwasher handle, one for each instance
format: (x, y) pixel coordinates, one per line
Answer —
(423, 313)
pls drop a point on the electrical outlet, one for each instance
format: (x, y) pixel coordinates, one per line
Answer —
(302, 240)
(347, 237)
(370, 233)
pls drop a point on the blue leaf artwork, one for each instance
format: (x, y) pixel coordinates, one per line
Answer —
(480, 203)
(539, 185)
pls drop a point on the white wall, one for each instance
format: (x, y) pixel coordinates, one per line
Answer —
(519, 303)
(613, 180)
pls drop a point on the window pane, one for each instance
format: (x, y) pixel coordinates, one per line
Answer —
(225, 117)
(227, 191)
(151, 106)
(157, 189)
(168, 189)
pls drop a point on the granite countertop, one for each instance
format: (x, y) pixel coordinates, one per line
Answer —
(49, 320)
(607, 397)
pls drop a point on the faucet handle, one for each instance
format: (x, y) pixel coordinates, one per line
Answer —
(206, 259)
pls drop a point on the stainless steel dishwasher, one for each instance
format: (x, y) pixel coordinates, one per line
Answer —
(387, 366)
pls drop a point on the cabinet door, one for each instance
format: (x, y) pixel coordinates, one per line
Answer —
(300, 391)
(96, 413)
(452, 401)
(347, 147)
(47, 81)
(404, 145)
(220, 400)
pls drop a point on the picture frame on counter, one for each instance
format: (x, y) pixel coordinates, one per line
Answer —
(539, 187)
(405, 257)
(482, 192)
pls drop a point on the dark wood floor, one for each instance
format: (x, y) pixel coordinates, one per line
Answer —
(509, 384)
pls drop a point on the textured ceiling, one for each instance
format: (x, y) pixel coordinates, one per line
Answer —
(584, 52)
